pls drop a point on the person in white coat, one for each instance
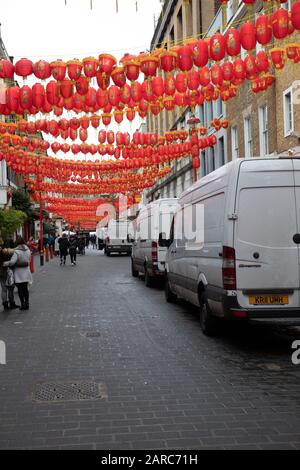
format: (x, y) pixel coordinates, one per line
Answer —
(20, 262)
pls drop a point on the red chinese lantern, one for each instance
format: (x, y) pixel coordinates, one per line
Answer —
(251, 67)
(181, 82)
(13, 98)
(280, 22)
(110, 137)
(118, 76)
(90, 66)
(193, 80)
(239, 69)
(52, 91)
(85, 122)
(233, 42)
(126, 94)
(77, 102)
(185, 58)
(168, 61)
(158, 86)
(42, 70)
(24, 68)
(74, 69)
(114, 95)
(130, 114)
(106, 119)
(103, 80)
(26, 97)
(227, 68)
(132, 70)
(262, 61)
(201, 53)
(248, 36)
(217, 75)
(217, 47)
(7, 69)
(149, 65)
(102, 98)
(204, 76)
(264, 30)
(106, 63)
(83, 135)
(295, 15)
(58, 70)
(82, 85)
(118, 116)
(38, 95)
(155, 108)
(66, 88)
(136, 91)
(278, 57)
(147, 90)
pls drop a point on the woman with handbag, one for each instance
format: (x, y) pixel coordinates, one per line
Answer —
(20, 262)
(7, 285)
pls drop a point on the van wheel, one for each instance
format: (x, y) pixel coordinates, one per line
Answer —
(148, 279)
(208, 322)
(170, 296)
(108, 253)
(134, 272)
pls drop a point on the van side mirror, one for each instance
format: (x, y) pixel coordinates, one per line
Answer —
(162, 241)
(130, 239)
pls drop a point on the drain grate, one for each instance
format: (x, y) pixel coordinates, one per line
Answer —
(91, 334)
(70, 391)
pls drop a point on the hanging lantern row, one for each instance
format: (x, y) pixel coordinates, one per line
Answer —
(194, 53)
(133, 158)
(153, 96)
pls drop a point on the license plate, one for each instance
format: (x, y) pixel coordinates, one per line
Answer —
(269, 300)
(116, 247)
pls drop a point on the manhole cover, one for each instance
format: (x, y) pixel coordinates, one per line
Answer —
(71, 391)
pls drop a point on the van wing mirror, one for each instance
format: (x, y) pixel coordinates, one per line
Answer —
(163, 241)
(130, 238)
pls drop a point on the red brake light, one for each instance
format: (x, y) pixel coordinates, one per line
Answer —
(229, 269)
(154, 252)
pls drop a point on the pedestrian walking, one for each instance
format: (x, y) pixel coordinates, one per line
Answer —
(56, 246)
(7, 292)
(81, 245)
(20, 263)
(63, 248)
(73, 249)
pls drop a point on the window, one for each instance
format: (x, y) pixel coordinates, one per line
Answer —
(221, 148)
(263, 130)
(288, 112)
(234, 142)
(248, 137)
(229, 10)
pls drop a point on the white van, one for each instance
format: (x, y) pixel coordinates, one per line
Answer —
(249, 264)
(154, 221)
(116, 238)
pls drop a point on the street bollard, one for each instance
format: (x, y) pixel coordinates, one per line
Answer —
(47, 255)
(31, 264)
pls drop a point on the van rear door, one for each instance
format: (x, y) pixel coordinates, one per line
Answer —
(267, 258)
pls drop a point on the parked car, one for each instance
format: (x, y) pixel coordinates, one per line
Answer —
(116, 239)
(248, 266)
(148, 258)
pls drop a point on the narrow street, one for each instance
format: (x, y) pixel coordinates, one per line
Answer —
(164, 385)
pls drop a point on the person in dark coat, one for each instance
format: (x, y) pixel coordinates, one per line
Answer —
(7, 293)
(63, 248)
(73, 249)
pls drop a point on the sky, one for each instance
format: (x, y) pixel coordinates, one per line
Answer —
(51, 29)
